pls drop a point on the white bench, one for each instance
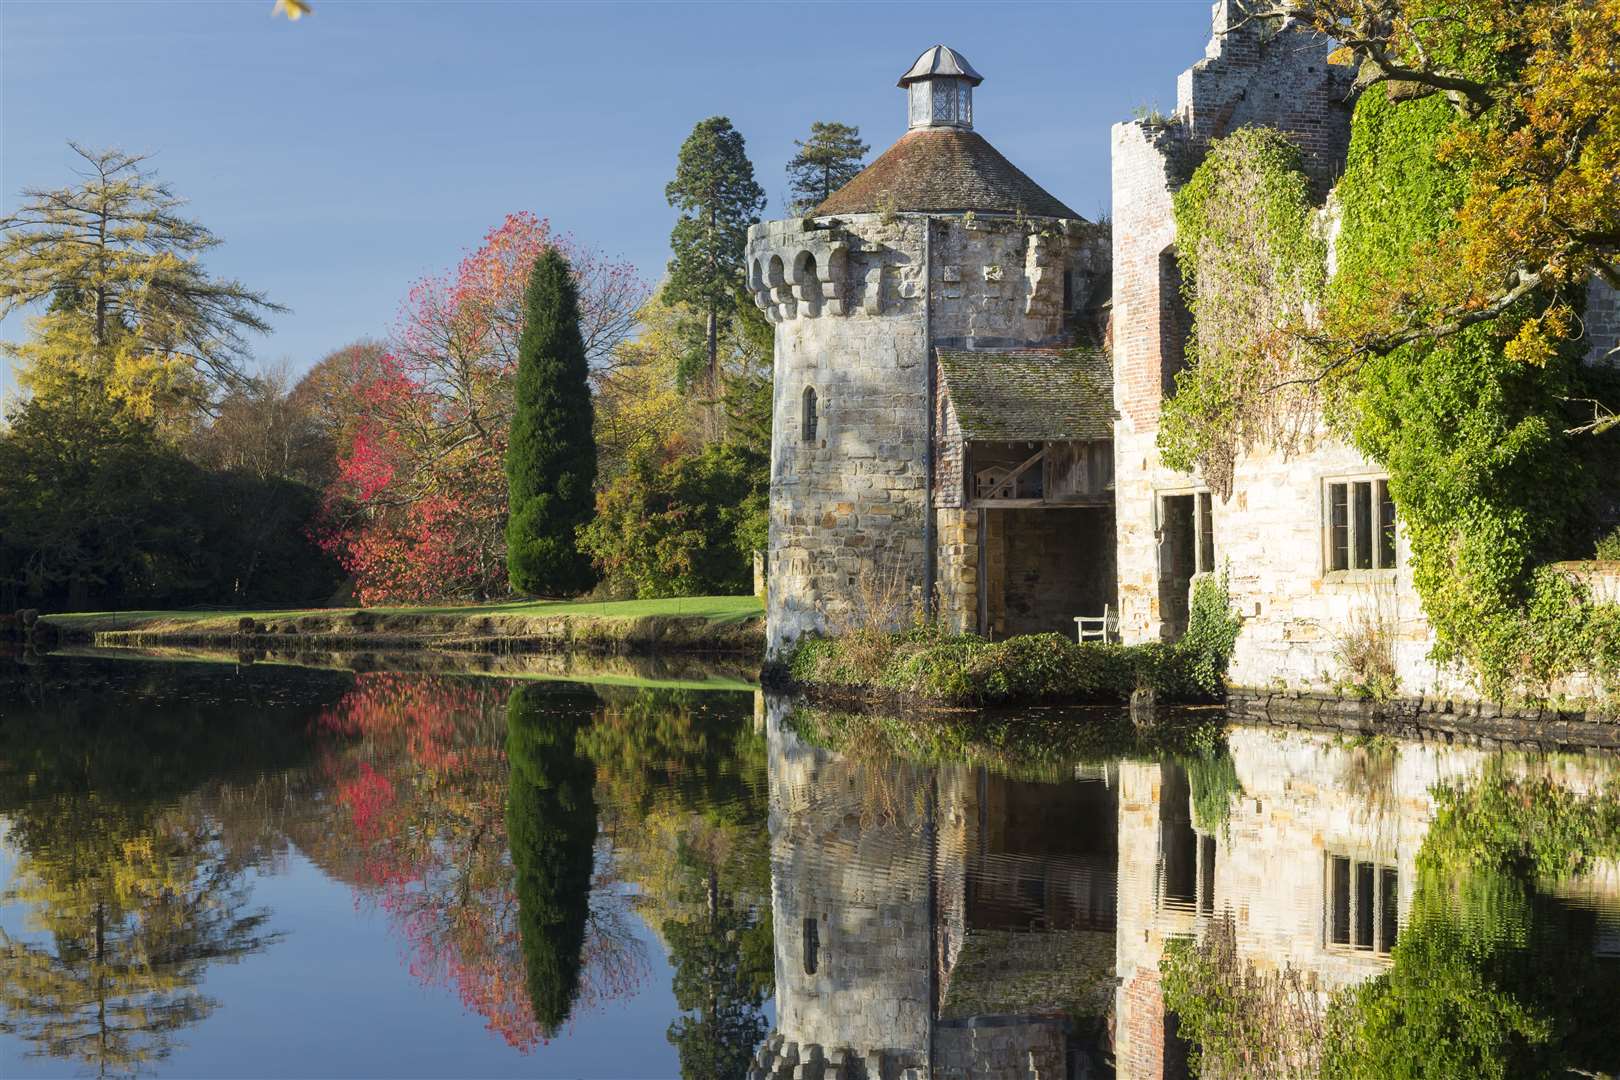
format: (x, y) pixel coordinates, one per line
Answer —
(1104, 627)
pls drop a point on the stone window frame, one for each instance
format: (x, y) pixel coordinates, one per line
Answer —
(1385, 561)
(1204, 545)
(1375, 935)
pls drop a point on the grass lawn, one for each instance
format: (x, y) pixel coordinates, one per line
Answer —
(716, 609)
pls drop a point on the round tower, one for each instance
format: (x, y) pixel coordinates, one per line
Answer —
(940, 243)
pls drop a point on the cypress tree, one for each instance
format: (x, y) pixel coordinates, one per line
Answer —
(551, 458)
(551, 826)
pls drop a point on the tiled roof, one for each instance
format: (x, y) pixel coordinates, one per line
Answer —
(1012, 395)
(940, 170)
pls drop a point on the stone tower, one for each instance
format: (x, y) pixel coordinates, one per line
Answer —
(940, 244)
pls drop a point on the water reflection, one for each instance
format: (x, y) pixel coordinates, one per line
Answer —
(1405, 907)
(515, 836)
(776, 893)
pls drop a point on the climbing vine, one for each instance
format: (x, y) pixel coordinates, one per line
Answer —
(1473, 428)
(1252, 266)
(1488, 485)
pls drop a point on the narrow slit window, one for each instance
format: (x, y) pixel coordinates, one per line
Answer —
(808, 421)
(812, 946)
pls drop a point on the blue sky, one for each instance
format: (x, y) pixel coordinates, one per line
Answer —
(344, 156)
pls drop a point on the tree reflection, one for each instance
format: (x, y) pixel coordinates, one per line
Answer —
(551, 822)
(685, 782)
(135, 913)
(475, 877)
(129, 887)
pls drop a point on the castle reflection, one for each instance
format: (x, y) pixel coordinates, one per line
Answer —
(952, 921)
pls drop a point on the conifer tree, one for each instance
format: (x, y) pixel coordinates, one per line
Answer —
(826, 161)
(551, 457)
(130, 306)
(715, 192)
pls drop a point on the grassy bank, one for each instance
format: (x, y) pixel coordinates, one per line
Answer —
(730, 624)
(964, 670)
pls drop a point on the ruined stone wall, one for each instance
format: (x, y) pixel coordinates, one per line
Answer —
(1268, 73)
(1270, 534)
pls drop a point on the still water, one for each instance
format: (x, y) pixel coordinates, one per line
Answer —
(213, 870)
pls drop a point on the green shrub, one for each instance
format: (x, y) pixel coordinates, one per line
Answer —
(967, 670)
(1608, 546)
(1212, 630)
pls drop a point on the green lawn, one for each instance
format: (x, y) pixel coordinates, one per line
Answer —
(717, 609)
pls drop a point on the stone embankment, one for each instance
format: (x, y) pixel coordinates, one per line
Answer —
(1484, 723)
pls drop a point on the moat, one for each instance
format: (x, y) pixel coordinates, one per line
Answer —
(218, 869)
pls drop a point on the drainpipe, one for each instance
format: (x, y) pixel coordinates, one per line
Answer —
(930, 558)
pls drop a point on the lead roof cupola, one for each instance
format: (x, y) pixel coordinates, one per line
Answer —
(941, 165)
(939, 88)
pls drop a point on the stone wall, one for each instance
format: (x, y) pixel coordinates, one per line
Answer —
(1270, 534)
(857, 315)
(848, 507)
(1050, 565)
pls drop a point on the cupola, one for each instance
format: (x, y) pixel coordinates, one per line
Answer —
(940, 88)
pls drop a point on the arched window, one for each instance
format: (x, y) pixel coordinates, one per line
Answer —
(808, 421)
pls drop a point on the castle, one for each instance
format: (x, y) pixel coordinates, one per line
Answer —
(968, 380)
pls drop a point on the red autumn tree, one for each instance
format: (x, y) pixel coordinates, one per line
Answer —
(418, 509)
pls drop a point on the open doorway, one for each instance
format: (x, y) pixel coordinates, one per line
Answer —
(1186, 548)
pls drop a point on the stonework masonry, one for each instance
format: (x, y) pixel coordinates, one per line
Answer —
(1271, 535)
(860, 303)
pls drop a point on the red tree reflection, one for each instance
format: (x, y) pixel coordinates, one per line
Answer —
(421, 794)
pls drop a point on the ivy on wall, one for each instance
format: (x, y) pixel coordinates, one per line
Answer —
(1472, 429)
(1252, 265)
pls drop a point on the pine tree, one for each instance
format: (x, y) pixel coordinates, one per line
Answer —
(715, 192)
(130, 305)
(551, 457)
(826, 161)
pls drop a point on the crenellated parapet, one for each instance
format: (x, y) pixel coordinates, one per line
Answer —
(807, 269)
(1002, 267)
